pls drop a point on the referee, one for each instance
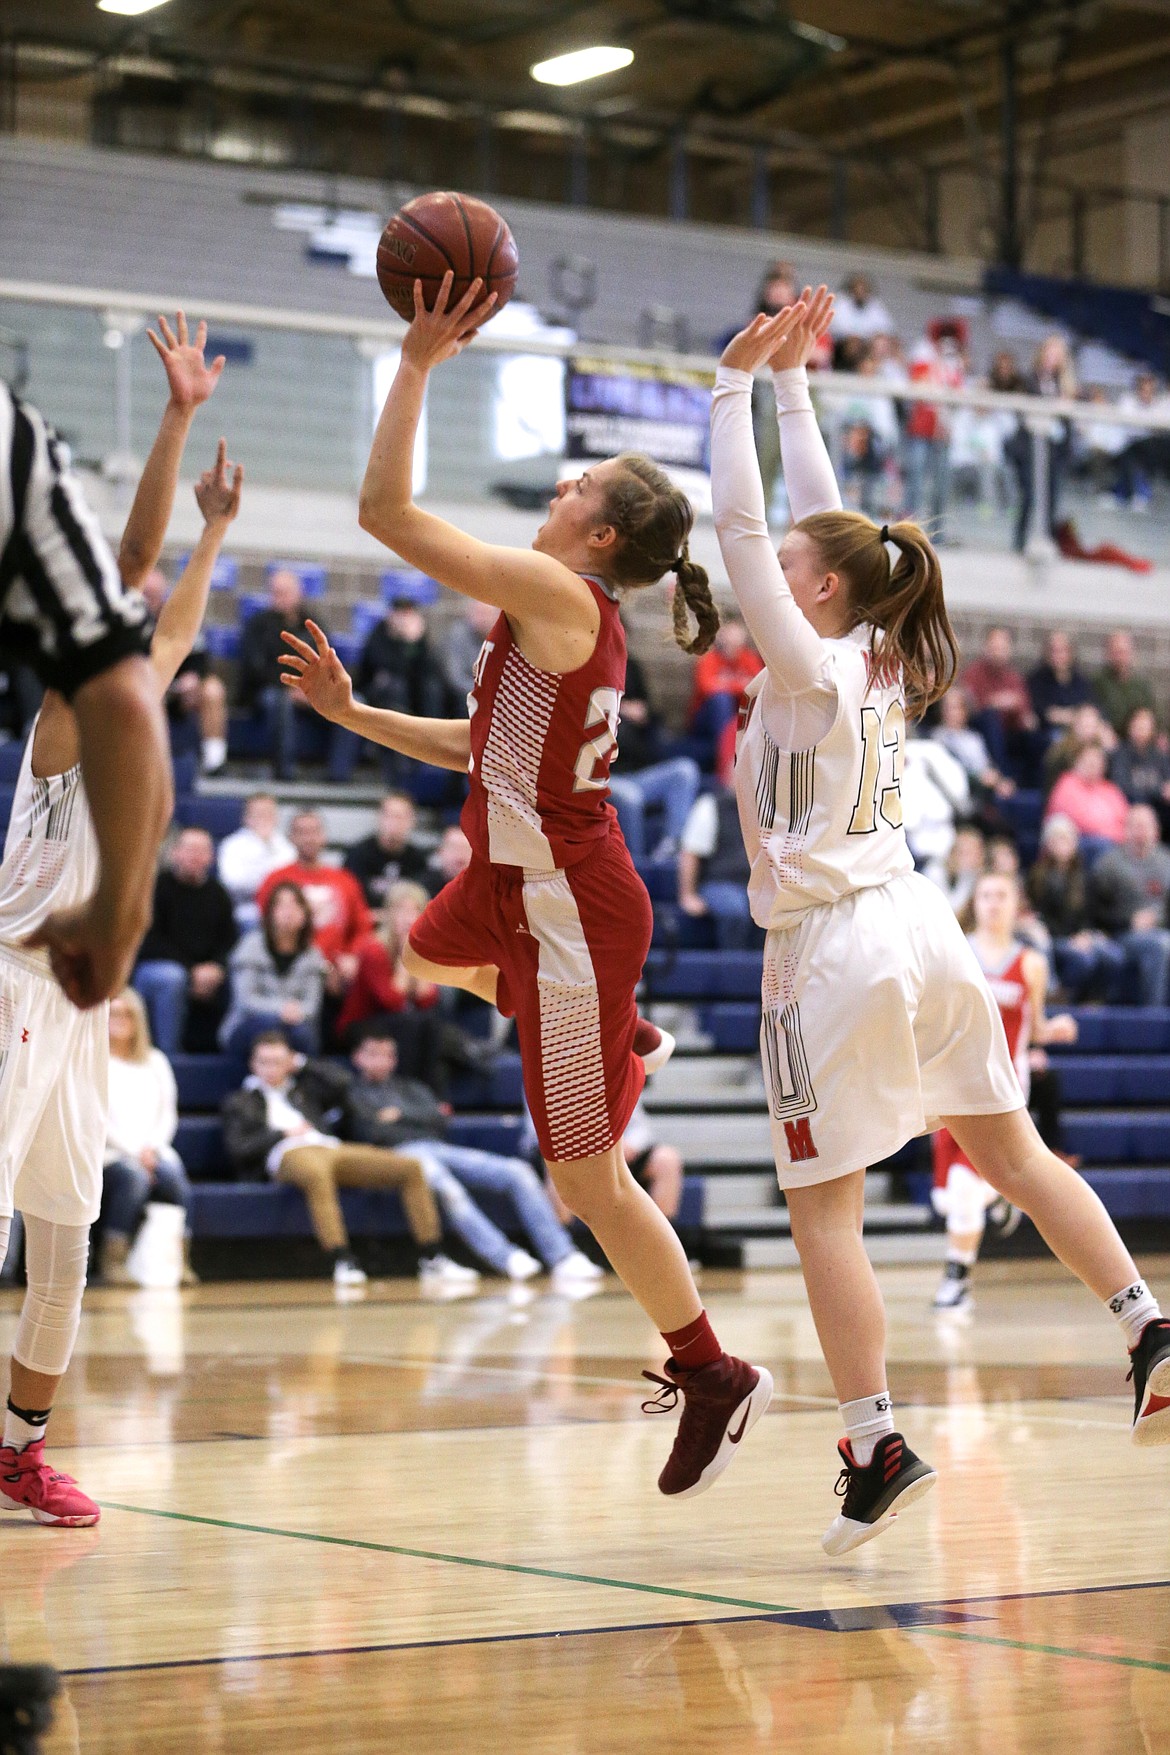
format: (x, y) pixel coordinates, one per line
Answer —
(64, 610)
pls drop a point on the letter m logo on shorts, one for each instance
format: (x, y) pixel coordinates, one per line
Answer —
(800, 1140)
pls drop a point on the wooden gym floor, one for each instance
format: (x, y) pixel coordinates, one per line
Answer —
(420, 1526)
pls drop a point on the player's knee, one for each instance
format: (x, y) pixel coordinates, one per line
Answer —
(412, 962)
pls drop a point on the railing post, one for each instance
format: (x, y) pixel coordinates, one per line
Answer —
(1038, 543)
(761, 191)
(119, 330)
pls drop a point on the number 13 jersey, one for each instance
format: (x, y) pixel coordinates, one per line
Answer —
(822, 822)
(541, 748)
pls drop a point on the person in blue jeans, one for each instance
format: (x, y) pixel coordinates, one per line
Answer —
(404, 1115)
(648, 780)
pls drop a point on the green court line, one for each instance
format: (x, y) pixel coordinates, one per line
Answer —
(654, 1590)
(1064, 1651)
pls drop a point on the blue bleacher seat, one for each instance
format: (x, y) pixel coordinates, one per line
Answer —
(348, 648)
(502, 1088)
(405, 582)
(199, 1142)
(225, 574)
(1122, 1029)
(1124, 1136)
(220, 815)
(704, 975)
(312, 575)
(7, 794)
(365, 619)
(222, 642)
(734, 1028)
(11, 756)
(1133, 1194)
(250, 602)
(204, 1080)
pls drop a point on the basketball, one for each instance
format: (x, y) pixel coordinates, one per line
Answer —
(436, 233)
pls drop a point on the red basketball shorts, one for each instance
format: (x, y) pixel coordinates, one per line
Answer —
(569, 945)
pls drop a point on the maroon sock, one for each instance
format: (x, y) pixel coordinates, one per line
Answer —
(695, 1345)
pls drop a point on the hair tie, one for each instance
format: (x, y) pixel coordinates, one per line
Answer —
(680, 562)
(884, 533)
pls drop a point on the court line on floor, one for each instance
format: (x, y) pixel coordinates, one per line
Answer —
(511, 1566)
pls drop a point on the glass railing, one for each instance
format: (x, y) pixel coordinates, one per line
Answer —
(526, 404)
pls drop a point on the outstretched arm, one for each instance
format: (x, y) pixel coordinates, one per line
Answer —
(788, 644)
(317, 673)
(804, 457)
(518, 581)
(181, 616)
(191, 382)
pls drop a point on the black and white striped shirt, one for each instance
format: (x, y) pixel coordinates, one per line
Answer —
(63, 607)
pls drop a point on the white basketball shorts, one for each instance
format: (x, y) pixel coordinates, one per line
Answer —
(54, 1096)
(877, 1021)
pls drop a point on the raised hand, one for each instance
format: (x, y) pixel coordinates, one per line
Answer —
(800, 341)
(439, 334)
(318, 675)
(218, 498)
(190, 378)
(747, 351)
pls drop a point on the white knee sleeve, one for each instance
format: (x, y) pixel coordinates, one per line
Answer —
(55, 1258)
(968, 1198)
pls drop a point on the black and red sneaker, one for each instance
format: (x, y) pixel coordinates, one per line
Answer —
(1149, 1366)
(721, 1404)
(874, 1495)
(653, 1046)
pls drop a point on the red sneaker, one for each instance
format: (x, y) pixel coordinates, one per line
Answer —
(721, 1404)
(653, 1046)
(27, 1483)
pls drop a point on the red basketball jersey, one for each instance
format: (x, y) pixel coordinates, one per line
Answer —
(541, 748)
(1009, 989)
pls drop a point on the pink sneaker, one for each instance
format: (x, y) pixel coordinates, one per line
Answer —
(27, 1483)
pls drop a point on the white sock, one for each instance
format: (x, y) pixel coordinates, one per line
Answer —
(867, 1420)
(18, 1432)
(214, 752)
(1134, 1306)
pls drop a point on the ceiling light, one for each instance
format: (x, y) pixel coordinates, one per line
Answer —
(812, 33)
(581, 64)
(129, 8)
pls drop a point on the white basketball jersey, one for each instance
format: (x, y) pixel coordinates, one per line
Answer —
(822, 822)
(51, 852)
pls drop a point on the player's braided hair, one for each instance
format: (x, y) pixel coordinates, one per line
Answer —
(904, 602)
(653, 520)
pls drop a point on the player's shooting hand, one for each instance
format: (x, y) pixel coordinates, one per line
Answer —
(753, 346)
(191, 379)
(317, 673)
(90, 954)
(800, 340)
(439, 334)
(217, 497)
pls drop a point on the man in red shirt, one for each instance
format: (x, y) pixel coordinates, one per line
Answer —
(1002, 706)
(341, 917)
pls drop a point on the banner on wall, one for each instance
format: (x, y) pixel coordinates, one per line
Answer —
(664, 410)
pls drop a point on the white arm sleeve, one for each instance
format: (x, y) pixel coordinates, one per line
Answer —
(789, 646)
(808, 472)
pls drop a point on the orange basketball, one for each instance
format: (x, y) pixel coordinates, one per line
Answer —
(436, 233)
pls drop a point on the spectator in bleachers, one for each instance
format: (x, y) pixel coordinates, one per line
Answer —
(1099, 444)
(451, 856)
(259, 674)
(935, 794)
(1088, 964)
(926, 444)
(197, 700)
(859, 312)
(460, 646)
(1128, 888)
(341, 916)
(1090, 799)
(141, 1163)
(384, 1109)
(713, 870)
(182, 967)
(1141, 765)
(379, 860)
(383, 989)
(398, 671)
(1143, 454)
(1001, 705)
(280, 1124)
(968, 746)
(719, 680)
(1052, 375)
(1058, 686)
(247, 855)
(645, 782)
(1119, 691)
(277, 977)
(1088, 726)
(867, 443)
(956, 875)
